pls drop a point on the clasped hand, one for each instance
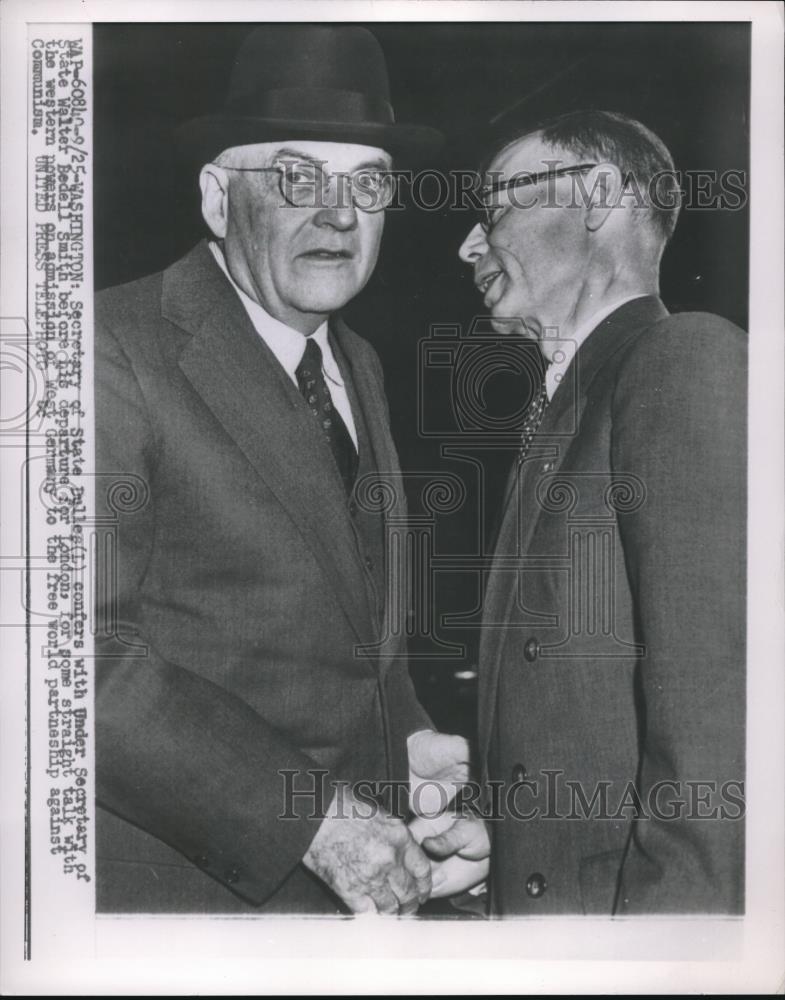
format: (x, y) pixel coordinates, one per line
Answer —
(457, 843)
(375, 863)
(371, 862)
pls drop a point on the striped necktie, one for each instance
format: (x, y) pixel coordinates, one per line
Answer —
(532, 419)
(313, 387)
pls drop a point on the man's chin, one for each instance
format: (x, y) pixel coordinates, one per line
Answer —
(511, 326)
(328, 297)
(325, 305)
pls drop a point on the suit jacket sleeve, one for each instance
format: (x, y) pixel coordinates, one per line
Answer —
(178, 755)
(679, 424)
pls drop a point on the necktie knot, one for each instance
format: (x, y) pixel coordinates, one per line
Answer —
(311, 361)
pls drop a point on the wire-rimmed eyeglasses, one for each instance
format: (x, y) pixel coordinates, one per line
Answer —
(487, 220)
(306, 185)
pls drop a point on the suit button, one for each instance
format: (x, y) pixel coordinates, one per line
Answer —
(531, 650)
(368, 562)
(353, 508)
(518, 773)
(202, 861)
(536, 885)
(232, 876)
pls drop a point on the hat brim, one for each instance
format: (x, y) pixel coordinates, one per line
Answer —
(202, 139)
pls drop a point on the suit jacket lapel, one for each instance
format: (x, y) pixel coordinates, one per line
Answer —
(367, 392)
(241, 381)
(560, 425)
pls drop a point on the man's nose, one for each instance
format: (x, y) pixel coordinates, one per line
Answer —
(340, 216)
(474, 246)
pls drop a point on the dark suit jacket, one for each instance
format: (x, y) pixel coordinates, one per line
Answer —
(243, 581)
(613, 652)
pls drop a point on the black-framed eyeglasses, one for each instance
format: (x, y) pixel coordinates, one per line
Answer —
(487, 220)
(305, 185)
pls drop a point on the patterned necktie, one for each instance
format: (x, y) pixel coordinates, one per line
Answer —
(310, 380)
(531, 420)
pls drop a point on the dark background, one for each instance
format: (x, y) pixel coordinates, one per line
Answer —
(688, 82)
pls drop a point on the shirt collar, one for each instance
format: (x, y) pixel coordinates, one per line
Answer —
(287, 344)
(568, 348)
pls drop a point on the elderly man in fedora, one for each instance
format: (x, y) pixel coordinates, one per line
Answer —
(234, 714)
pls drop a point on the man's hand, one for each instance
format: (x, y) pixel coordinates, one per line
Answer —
(464, 845)
(371, 862)
(438, 766)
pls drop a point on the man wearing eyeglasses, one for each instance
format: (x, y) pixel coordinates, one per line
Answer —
(241, 693)
(612, 662)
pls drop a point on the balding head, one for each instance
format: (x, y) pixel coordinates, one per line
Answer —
(651, 187)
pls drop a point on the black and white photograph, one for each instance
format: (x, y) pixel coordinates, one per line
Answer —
(394, 446)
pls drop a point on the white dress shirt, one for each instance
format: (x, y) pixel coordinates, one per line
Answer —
(288, 346)
(568, 347)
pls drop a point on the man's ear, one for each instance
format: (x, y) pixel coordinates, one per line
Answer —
(214, 183)
(604, 185)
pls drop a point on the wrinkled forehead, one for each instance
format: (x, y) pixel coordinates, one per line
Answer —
(334, 156)
(529, 154)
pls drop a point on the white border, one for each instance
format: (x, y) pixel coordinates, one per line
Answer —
(375, 955)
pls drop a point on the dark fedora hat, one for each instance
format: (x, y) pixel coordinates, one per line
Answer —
(307, 81)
